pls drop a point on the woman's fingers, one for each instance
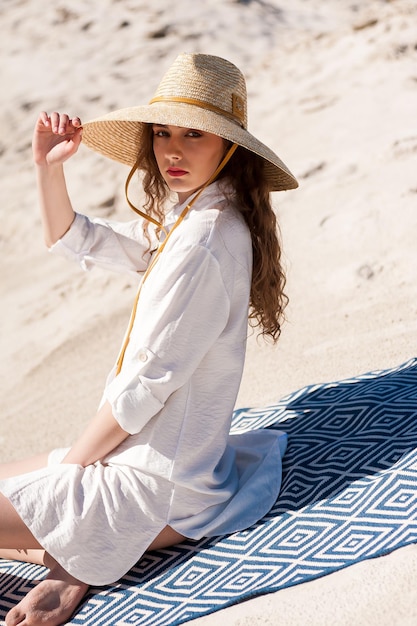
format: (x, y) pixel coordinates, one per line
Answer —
(60, 123)
(56, 138)
(44, 118)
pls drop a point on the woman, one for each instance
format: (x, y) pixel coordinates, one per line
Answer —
(157, 463)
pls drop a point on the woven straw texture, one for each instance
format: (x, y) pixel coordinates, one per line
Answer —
(199, 91)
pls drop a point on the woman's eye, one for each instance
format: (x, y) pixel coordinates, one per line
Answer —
(194, 133)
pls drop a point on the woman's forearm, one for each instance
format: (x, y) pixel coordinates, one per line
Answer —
(56, 210)
(102, 435)
(56, 139)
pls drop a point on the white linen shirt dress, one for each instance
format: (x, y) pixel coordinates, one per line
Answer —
(174, 395)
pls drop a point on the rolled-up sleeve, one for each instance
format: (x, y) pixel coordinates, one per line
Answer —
(183, 309)
(120, 247)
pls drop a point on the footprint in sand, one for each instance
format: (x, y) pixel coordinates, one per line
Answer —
(317, 103)
(405, 146)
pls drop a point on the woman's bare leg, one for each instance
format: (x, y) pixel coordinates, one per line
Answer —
(27, 556)
(13, 531)
(54, 600)
(166, 538)
(16, 468)
(51, 602)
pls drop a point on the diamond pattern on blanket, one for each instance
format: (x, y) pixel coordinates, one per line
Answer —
(349, 493)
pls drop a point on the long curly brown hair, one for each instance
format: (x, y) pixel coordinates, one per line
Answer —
(245, 171)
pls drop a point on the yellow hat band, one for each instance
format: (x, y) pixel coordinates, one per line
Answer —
(238, 107)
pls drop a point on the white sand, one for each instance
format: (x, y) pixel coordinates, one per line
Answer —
(333, 89)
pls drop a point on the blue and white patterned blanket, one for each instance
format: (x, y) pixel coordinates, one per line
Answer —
(349, 493)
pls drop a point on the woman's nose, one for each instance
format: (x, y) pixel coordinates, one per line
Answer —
(173, 148)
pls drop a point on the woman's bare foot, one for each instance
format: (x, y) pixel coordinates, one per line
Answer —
(50, 603)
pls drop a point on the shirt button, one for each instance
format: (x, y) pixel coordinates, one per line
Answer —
(143, 357)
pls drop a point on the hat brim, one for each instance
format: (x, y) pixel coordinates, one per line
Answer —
(118, 135)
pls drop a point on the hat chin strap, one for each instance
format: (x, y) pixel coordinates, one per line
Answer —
(184, 212)
(228, 155)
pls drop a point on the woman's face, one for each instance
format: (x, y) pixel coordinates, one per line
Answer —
(186, 157)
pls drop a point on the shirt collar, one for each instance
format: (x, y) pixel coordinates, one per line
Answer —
(212, 193)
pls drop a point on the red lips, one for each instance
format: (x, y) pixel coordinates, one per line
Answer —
(175, 171)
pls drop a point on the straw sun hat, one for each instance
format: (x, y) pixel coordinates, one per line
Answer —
(199, 91)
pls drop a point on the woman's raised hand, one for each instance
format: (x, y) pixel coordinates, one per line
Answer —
(56, 138)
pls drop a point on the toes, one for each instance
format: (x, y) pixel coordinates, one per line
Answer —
(15, 616)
